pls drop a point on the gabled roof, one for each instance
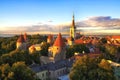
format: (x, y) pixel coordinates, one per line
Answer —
(21, 39)
(59, 41)
(79, 41)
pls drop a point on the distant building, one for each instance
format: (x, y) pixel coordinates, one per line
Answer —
(73, 29)
(22, 42)
(70, 41)
(53, 70)
(35, 47)
(114, 40)
(116, 67)
(32, 49)
(50, 39)
(56, 52)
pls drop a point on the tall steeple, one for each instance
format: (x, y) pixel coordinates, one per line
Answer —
(72, 28)
(73, 22)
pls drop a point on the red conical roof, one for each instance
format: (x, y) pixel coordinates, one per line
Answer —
(25, 36)
(21, 39)
(50, 37)
(59, 41)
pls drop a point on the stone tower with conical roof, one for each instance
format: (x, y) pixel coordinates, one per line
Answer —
(73, 28)
(21, 42)
(50, 39)
(57, 51)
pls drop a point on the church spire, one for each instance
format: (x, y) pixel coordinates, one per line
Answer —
(73, 22)
(72, 28)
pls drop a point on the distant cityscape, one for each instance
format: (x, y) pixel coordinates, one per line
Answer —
(59, 40)
(52, 57)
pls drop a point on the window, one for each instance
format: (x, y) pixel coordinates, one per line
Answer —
(49, 73)
(57, 73)
(46, 73)
(43, 75)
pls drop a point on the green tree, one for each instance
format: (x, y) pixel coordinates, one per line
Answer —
(70, 52)
(35, 57)
(109, 52)
(76, 48)
(4, 69)
(22, 72)
(15, 56)
(44, 50)
(87, 68)
(112, 50)
(6, 58)
(18, 71)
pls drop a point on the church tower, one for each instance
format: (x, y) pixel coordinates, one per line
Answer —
(21, 44)
(72, 28)
(50, 39)
(58, 50)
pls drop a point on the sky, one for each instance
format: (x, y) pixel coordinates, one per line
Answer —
(14, 13)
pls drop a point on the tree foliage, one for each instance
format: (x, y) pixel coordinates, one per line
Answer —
(79, 48)
(18, 71)
(19, 55)
(87, 68)
(7, 44)
(109, 51)
(44, 51)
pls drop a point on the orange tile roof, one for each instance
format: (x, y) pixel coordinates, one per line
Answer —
(59, 41)
(108, 37)
(116, 37)
(32, 47)
(79, 41)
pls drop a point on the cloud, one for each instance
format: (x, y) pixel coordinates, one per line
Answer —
(103, 21)
(94, 24)
(50, 21)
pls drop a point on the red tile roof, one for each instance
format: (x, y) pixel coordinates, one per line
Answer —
(116, 37)
(25, 36)
(79, 41)
(32, 47)
(21, 39)
(59, 41)
(50, 37)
